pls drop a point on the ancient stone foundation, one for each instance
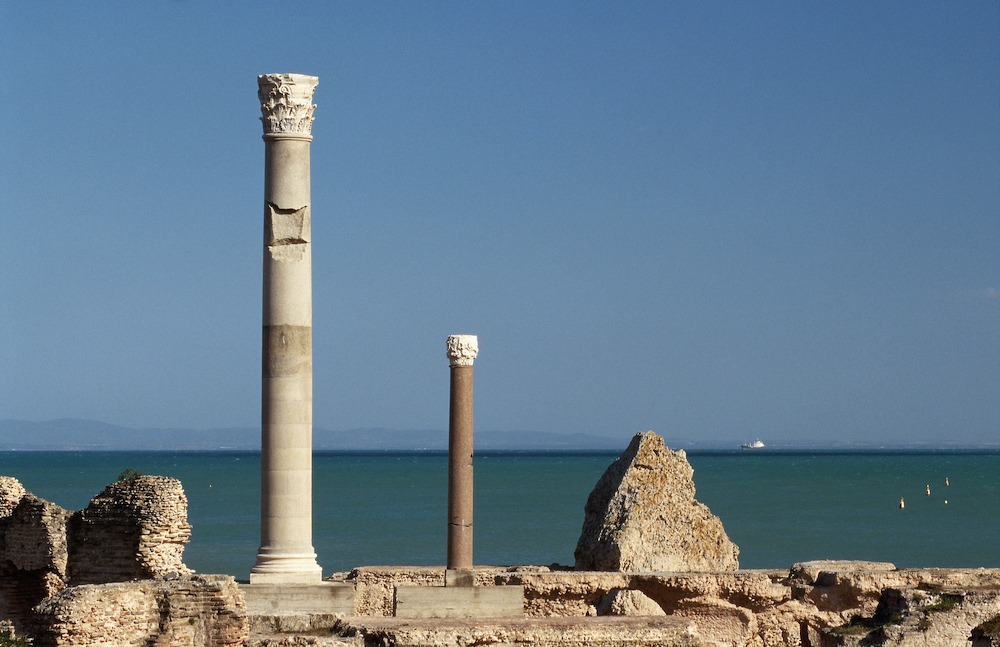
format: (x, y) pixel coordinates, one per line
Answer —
(200, 610)
(814, 604)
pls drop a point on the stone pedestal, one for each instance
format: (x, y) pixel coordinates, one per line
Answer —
(286, 553)
(462, 351)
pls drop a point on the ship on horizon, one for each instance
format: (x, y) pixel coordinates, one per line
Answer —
(757, 444)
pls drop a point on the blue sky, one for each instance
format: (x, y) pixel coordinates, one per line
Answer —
(715, 220)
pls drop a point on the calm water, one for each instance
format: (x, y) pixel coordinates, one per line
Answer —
(368, 509)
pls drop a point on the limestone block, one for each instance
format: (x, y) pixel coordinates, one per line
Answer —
(719, 622)
(564, 593)
(753, 590)
(374, 586)
(808, 572)
(795, 623)
(628, 602)
(459, 602)
(286, 226)
(860, 590)
(642, 516)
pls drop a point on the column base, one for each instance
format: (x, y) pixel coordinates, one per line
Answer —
(459, 577)
(286, 569)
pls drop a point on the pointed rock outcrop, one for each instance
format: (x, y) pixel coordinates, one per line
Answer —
(642, 516)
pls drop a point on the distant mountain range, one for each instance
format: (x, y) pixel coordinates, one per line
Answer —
(91, 435)
(72, 434)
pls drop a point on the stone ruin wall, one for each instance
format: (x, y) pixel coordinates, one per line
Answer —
(135, 529)
(32, 552)
(203, 610)
(111, 573)
(747, 608)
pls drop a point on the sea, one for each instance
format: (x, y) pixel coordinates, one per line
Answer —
(389, 508)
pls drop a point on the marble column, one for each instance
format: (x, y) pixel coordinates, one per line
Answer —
(462, 350)
(286, 552)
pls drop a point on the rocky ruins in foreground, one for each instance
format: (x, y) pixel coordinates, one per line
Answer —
(111, 574)
(654, 567)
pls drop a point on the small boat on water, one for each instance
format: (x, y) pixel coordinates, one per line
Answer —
(757, 444)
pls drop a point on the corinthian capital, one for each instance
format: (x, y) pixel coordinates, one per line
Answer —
(286, 104)
(462, 349)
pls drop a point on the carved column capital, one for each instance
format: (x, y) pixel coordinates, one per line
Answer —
(462, 349)
(286, 105)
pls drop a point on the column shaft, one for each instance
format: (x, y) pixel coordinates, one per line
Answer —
(286, 552)
(460, 487)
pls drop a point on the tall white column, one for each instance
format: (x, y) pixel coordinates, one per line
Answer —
(286, 552)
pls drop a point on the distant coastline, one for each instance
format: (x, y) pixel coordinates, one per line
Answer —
(89, 435)
(69, 434)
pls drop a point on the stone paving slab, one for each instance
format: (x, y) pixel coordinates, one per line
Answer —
(322, 597)
(459, 601)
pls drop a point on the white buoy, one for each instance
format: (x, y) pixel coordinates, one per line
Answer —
(901, 504)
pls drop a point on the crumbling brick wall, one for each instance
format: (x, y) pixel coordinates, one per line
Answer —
(196, 611)
(135, 529)
(32, 552)
(11, 492)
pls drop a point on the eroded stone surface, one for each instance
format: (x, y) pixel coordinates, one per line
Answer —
(35, 536)
(642, 516)
(135, 529)
(808, 572)
(32, 555)
(927, 614)
(628, 602)
(537, 632)
(375, 586)
(11, 492)
(749, 608)
(195, 611)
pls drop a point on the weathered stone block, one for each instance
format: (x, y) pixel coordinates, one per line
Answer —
(642, 516)
(198, 611)
(628, 602)
(459, 601)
